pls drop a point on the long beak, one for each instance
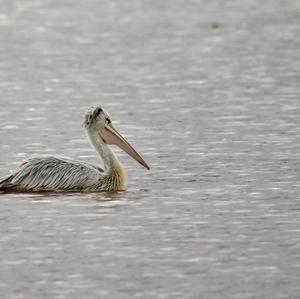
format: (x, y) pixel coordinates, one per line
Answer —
(111, 136)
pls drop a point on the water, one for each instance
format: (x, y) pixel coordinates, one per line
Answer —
(208, 92)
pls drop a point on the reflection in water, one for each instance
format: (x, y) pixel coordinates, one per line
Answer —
(215, 114)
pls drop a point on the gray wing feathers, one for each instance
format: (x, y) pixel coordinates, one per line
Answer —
(54, 174)
(4, 182)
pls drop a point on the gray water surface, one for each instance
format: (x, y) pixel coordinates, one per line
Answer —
(208, 92)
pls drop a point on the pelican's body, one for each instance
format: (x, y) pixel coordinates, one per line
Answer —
(48, 173)
(60, 174)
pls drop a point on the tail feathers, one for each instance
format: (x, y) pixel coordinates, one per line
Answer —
(5, 182)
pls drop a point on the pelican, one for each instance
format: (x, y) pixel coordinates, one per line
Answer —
(60, 174)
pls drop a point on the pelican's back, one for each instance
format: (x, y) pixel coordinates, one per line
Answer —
(53, 174)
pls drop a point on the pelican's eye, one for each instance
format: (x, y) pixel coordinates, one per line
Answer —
(97, 112)
(108, 120)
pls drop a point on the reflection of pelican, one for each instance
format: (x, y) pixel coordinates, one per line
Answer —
(64, 174)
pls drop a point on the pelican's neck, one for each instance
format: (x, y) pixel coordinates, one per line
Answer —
(110, 161)
(115, 176)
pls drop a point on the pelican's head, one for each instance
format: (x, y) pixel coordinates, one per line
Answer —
(99, 120)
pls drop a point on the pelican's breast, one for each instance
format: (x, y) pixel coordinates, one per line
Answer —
(116, 179)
